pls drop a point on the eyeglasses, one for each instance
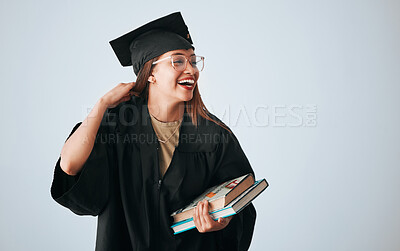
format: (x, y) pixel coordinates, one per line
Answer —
(179, 62)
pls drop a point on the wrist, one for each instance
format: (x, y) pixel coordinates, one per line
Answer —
(102, 104)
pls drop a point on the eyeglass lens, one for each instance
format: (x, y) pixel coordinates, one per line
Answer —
(179, 62)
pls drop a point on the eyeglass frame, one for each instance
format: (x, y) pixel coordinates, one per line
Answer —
(186, 61)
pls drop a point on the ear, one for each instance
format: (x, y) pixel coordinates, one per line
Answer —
(151, 79)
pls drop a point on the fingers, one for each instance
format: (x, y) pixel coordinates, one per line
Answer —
(129, 85)
(204, 222)
(203, 214)
(205, 217)
(127, 88)
(124, 99)
(224, 221)
(120, 93)
(196, 218)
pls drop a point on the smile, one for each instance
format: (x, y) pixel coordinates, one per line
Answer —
(187, 83)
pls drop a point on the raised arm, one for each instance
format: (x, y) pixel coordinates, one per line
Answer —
(78, 147)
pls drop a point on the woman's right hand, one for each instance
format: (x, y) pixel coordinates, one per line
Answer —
(79, 145)
(120, 93)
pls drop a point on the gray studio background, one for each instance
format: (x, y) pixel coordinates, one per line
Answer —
(310, 88)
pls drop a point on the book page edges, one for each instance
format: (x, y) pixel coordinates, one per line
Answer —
(217, 201)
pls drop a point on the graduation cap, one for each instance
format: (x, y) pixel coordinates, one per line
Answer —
(152, 40)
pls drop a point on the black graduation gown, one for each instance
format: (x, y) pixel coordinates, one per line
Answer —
(120, 183)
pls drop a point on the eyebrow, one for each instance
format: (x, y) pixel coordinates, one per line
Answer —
(182, 54)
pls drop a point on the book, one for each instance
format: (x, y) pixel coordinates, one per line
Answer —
(218, 196)
(232, 208)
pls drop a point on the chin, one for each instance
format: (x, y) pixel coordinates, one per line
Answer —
(186, 95)
(187, 99)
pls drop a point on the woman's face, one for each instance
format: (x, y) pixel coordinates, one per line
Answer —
(166, 82)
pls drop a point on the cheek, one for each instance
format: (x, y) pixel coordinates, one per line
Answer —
(167, 77)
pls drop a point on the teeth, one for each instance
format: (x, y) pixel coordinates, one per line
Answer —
(189, 81)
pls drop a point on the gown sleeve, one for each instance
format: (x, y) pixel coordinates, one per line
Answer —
(232, 163)
(87, 192)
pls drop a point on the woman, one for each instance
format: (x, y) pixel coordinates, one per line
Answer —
(149, 148)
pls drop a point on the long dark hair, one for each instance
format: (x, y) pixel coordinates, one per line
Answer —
(194, 107)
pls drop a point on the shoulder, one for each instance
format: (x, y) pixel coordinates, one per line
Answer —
(215, 125)
(125, 114)
(204, 137)
(127, 110)
(128, 107)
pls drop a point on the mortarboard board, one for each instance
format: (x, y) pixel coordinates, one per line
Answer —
(152, 40)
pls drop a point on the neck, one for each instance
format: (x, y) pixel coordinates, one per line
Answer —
(165, 111)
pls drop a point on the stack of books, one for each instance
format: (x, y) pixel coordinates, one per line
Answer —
(226, 199)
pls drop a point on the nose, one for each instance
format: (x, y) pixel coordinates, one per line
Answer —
(190, 69)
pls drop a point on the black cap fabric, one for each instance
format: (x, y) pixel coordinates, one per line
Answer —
(152, 40)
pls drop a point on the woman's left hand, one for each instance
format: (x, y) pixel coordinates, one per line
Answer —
(203, 221)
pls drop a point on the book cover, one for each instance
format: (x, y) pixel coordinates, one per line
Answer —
(231, 209)
(218, 196)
